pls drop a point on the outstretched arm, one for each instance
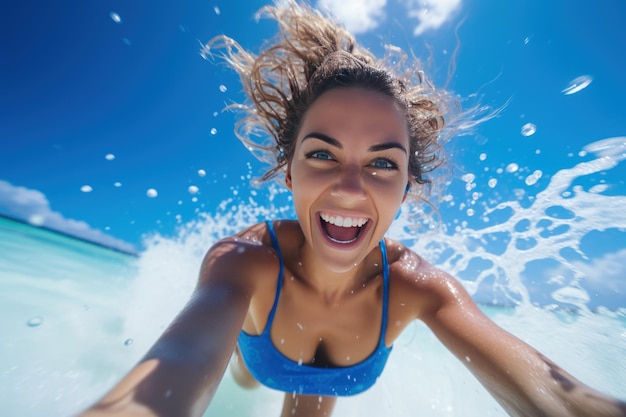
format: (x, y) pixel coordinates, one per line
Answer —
(522, 380)
(181, 372)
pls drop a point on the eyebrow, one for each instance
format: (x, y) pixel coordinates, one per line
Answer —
(374, 148)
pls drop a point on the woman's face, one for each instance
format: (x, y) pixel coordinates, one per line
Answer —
(348, 173)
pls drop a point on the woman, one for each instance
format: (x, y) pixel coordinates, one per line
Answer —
(306, 304)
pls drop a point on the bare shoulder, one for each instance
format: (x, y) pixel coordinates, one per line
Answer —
(420, 284)
(242, 259)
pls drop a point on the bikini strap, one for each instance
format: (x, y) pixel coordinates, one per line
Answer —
(279, 284)
(383, 327)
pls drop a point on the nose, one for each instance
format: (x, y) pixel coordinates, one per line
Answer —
(349, 185)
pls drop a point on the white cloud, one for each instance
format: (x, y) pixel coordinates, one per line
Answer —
(606, 274)
(431, 13)
(358, 16)
(602, 280)
(33, 206)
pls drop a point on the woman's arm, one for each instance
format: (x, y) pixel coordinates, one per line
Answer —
(522, 380)
(181, 372)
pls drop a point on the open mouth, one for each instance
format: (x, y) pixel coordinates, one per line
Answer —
(343, 230)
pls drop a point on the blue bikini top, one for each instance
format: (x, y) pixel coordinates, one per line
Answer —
(274, 370)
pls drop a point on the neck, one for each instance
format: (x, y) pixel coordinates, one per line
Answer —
(333, 286)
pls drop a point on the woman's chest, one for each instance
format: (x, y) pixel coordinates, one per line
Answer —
(307, 328)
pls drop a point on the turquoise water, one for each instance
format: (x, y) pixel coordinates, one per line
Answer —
(76, 316)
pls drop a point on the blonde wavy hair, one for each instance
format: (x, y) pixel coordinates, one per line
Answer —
(313, 54)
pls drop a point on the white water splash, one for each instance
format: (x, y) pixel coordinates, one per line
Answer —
(517, 236)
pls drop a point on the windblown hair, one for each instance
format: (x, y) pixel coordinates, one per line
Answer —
(311, 55)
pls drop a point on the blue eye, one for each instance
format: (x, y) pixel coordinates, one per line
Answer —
(321, 155)
(384, 163)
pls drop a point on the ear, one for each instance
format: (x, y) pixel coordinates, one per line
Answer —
(288, 178)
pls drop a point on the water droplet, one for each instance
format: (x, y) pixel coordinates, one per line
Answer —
(468, 359)
(529, 129)
(300, 326)
(128, 342)
(216, 10)
(533, 178)
(109, 157)
(194, 200)
(512, 167)
(482, 156)
(526, 40)
(193, 189)
(126, 41)
(86, 189)
(241, 249)
(300, 362)
(577, 84)
(470, 212)
(35, 321)
(152, 193)
(201, 172)
(223, 88)
(115, 17)
(282, 341)
(492, 182)
(117, 184)
(213, 131)
(468, 178)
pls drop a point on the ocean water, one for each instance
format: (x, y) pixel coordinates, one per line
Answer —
(77, 316)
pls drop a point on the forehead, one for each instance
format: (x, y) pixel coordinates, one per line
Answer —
(355, 110)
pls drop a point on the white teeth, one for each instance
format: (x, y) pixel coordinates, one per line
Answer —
(344, 221)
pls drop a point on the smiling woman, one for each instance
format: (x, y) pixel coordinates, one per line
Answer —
(312, 307)
(355, 171)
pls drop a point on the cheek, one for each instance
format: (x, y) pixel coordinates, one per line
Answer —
(304, 179)
(392, 196)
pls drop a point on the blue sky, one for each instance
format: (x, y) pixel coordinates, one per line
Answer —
(102, 101)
